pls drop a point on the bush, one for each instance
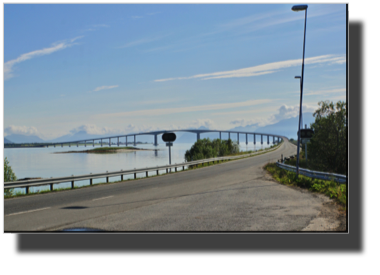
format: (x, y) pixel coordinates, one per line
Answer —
(205, 148)
(8, 176)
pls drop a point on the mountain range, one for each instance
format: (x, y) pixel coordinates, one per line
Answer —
(286, 127)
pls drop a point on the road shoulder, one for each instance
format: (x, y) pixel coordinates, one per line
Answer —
(331, 217)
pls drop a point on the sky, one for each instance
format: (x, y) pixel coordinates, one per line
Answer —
(123, 68)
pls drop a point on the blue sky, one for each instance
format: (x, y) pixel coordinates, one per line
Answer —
(111, 69)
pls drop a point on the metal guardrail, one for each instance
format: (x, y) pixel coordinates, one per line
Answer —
(51, 181)
(314, 174)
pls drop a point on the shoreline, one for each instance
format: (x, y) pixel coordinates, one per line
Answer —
(105, 151)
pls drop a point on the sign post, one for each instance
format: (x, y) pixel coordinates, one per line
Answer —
(169, 138)
(306, 135)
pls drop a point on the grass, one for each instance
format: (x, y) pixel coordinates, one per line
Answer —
(330, 188)
(11, 194)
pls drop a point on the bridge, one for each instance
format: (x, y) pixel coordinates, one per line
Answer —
(155, 134)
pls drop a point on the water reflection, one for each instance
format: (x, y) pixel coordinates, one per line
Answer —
(42, 162)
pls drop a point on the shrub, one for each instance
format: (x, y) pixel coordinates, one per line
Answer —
(8, 176)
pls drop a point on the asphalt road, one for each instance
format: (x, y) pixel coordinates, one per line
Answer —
(232, 196)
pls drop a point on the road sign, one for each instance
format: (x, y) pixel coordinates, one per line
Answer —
(169, 137)
(306, 133)
(169, 143)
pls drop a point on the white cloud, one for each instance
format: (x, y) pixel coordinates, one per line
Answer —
(157, 112)
(8, 66)
(285, 112)
(93, 129)
(245, 122)
(208, 123)
(21, 130)
(264, 68)
(104, 88)
(95, 27)
(322, 92)
(144, 41)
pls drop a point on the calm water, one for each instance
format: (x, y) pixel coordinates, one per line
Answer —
(42, 162)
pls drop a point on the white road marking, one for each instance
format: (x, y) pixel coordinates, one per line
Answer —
(27, 211)
(102, 198)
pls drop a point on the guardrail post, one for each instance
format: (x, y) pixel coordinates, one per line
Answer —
(72, 184)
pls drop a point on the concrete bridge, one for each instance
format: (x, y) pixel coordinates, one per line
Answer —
(155, 134)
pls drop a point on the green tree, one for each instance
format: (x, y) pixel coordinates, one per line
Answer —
(327, 150)
(205, 148)
(8, 176)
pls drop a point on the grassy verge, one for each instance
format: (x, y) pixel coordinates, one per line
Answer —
(14, 194)
(330, 188)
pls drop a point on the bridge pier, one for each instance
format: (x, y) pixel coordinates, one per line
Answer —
(229, 135)
(109, 142)
(117, 141)
(238, 138)
(246, 139)
(93, 143)
(261, 139)
(198, 136)
(101, 142)
(155, 140)
(220, 135)
(254, 139)
(85, 143)
(134, 140)
(126, 140)
(267, 139)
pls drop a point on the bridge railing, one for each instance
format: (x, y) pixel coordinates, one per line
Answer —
(51, 181)
(314, 174)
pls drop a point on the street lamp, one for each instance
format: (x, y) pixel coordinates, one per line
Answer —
(300, 8)
(300, 95)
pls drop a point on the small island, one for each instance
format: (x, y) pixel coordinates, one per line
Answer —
(107, 150)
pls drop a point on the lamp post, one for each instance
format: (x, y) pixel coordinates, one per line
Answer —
(300, 8)
(300, 95)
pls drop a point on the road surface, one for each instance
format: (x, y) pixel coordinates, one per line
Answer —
(232, 196)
